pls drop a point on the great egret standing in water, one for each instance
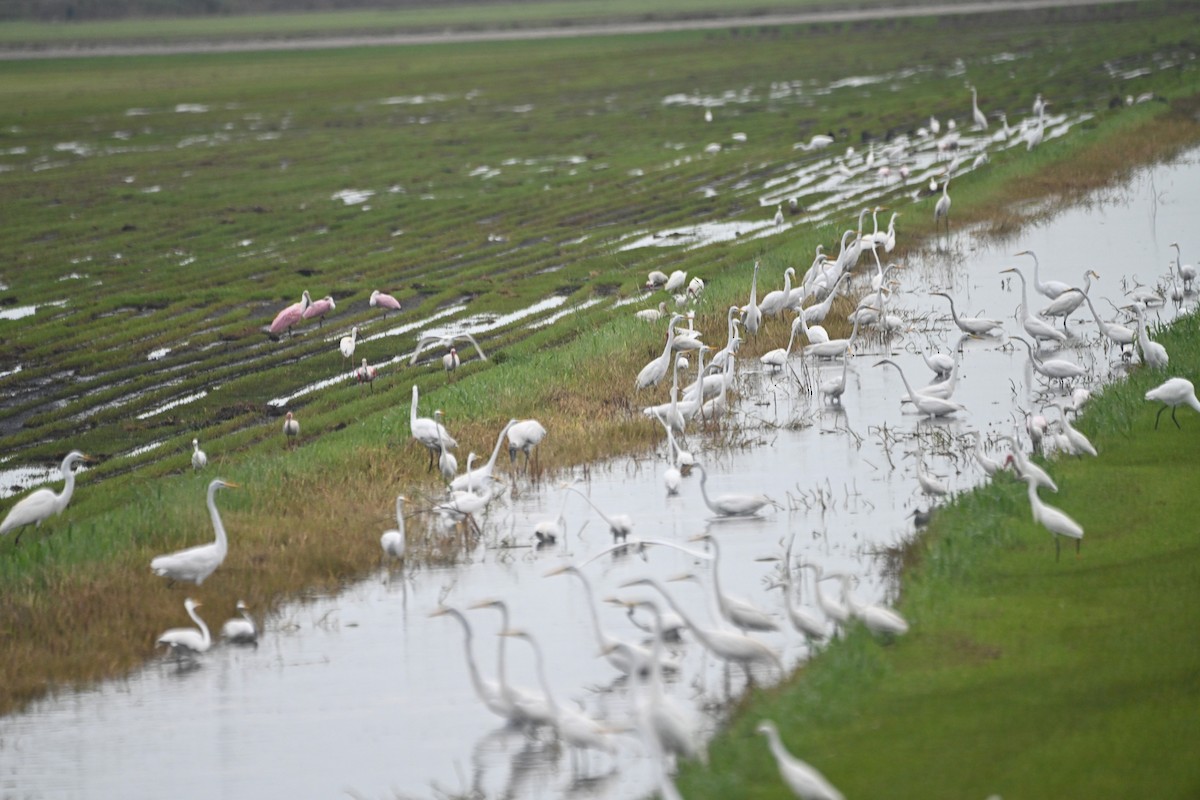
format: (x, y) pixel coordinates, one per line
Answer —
(1036, 328)
(480, 477)
(731, 505)
(197, 563)
(524, 436)
(739, 612)
(395, 541)
(1154, 355)
(40, 505)
(240, 630)
(187, 643)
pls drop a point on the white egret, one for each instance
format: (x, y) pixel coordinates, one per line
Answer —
(1036, 328)
(346, 345)
(41, 504)
(652, 314)
(804, 621)
(1025, 467)
(1117, 334)
(1053, 519)
(989, 465)
(240, 630)
(291, 429)
(778, 220)
(833, 388)
(1173, 393)
(1051, 289)
(977, 115)
(834, 348)
(199, 457)
(1036, 132)
(777, 358)
(432, 340)
(925, 404)
(974, 326)
(815, 314)
(775, 301)
(726, 645)
(526, 708)
(524, 437)
(740, 613)
(394, 542)
(880, 620)
(428, 432)
(655, 279)
(1004, 132)
(631, 657)
(930, 483)
(732, 505)
(804, 781)
(1058, 369)
(574, 727)
(491, 693)
(620, 525)
(940, 363)
(1186, 272)
(1067, 302)
(752, 314)
(197, 563)
(482, 476)
(187, 643)
(656, 370)
(1154, 355)
(447, 463)
(1077, 440)
(942, 209)
(830, 606)
(675, 282)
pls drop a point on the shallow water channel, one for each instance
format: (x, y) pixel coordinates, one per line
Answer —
(362, 695)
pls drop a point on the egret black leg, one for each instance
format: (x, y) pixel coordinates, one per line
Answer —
(1177, 425)
(1057, 549)
(1159, 414)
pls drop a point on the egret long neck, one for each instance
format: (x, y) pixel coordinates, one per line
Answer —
(204, 635)
(64, 497)
(218, 526)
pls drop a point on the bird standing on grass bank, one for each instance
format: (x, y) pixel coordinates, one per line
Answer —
(187, 643)
(38, 506)
(291, 429)
(199, 459)
(347, 344)
(289, 316)
(430, 340)
(366, 374)
(428, 432)
(1052, 519)
(804, 781)
(384, 301)
(196, 563)
(318, 309)
(1173, 393)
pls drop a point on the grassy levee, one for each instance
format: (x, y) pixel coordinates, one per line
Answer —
(77, 600)
(1022, 676)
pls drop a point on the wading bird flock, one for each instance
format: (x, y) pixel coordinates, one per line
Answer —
(859, 275)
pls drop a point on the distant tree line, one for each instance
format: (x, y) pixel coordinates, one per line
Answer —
(79, 10)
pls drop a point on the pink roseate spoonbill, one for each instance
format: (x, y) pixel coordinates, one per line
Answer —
(318, 309)
(366, 374)
(804, 781)
(187, 643)
(291, 429)
(40, 505)
(1053, 519)
(1173, 393)
(385, 301)
(285, 319)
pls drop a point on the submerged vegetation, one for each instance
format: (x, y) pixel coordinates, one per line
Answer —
(175, 205)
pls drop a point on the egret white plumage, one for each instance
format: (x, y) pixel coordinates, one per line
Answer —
(879, 619)
(1117, 334)
(738, 611)
(39, 505)
(199, 458)
(1058, 369)
(775, 301)
(629, 659)
(619, 525)
(1077, 440)
(804, 781)
(291, 429)
(989, 465)
(1036, 328)
(977, 115)
(196, 563)
(1066, 303)
(430, 433)
(438, 340)
(1024, 467)
(1051, 289)
(777, 359)
(526, 708)
(975, 326)
(1186, 272)
(1154, 355)
(480, 477)
(1173, 393)
(925, 404)
(1053, 519)
(347, 344)
(941, 210)
(751, 313)
(523, 437)
(187, 643)
(241, 629)
(491, 693)
(395, 542)
(730, 504)
(656, 370)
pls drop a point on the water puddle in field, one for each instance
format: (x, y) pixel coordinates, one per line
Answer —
(340, 685)
(20, 312)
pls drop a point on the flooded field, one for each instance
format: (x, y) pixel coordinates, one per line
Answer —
(362, 694)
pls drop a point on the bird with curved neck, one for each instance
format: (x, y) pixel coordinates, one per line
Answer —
(187, 643)
(197, 563)
(480, 477)
(38, 506)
